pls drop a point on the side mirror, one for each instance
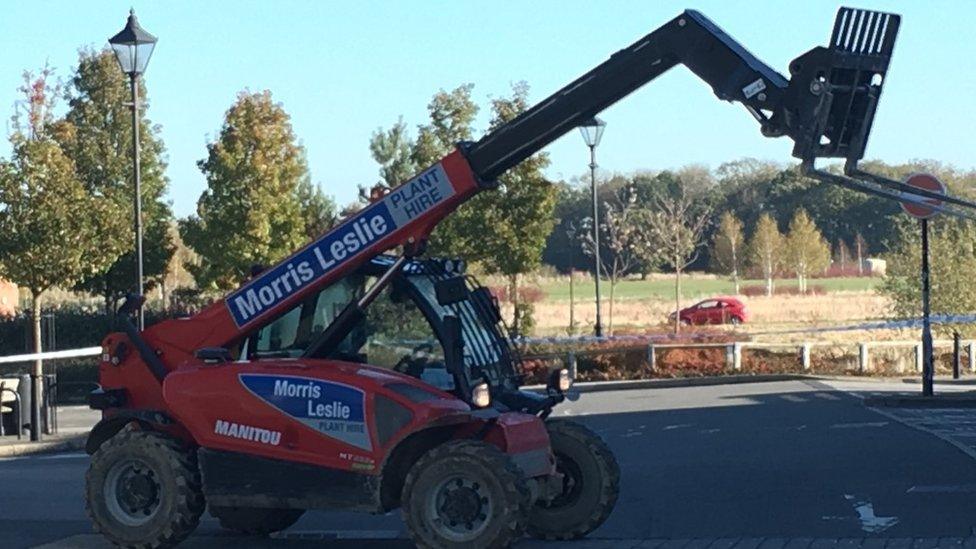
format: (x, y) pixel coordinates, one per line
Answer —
(213, 355)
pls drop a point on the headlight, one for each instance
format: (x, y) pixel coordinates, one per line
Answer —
(480, 395)
(565, 382)
(559, 381)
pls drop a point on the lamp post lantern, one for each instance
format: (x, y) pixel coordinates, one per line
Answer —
(592, 131)
(133, 47)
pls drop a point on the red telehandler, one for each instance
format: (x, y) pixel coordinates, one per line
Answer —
(357, 375)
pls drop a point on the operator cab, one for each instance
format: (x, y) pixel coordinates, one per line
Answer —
(406, 328)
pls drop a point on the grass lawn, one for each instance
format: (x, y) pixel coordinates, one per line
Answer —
(558, 289)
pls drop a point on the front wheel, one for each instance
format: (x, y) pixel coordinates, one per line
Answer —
(465, 494)
(143, 490)
(591, 484)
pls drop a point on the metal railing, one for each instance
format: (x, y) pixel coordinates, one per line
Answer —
(734, 351)
(51, 388)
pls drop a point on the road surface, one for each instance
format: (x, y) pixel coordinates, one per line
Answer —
(784, 464)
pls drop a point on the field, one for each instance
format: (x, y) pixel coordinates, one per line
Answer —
(642, 306)
(692, 287)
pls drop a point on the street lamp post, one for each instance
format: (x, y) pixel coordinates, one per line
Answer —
(571, 234)
(133, 47)
(592, 131)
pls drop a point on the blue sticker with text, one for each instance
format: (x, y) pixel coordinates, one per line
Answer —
(398, 208)
(333, 409)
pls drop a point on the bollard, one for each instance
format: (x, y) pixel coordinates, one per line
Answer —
(805, 356)
(571, 365)
(737, 356)
(956, 358)
(650, 356)
(863, 358)
(918, 358)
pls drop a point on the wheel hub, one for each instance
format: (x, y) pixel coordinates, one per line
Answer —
(132, 492)
(572, 482)
(461, 508)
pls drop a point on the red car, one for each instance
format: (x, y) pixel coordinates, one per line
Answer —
(721, 310)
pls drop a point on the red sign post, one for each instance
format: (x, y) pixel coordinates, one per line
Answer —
(926, 182)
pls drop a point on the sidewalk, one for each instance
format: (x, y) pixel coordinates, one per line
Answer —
(74, 422)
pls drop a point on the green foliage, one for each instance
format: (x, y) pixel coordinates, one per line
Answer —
(806, 251)
(44, 241)
(96, 133)
(251, 212)
(766, 249)
(952, 252)
(503, 230)
(318, 210)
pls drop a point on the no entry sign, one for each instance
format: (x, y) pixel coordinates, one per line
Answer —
(926, 182)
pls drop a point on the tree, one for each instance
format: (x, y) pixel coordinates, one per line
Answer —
(952, 247)
(392, 150)
(49, 223)
(318, 210)
(766, 249)
(251, 212)
(727, 247)
(843, 256)
(677, 225)
(807, 251)
(96, 133)
(505, 229)
(624, 240)
(862, 249)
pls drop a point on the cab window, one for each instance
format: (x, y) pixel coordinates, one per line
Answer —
(394, 333)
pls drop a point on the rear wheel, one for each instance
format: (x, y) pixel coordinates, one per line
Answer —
(735, 321)
(465, 494)
(255, 521)
(143, 490)
(591, 484)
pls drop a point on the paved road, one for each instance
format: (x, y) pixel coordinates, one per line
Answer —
(747, 466)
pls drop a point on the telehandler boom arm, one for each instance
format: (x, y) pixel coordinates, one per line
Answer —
(826, 107)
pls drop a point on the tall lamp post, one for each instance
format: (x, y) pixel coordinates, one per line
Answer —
(592, 131)
(133, 47)
(571, 234)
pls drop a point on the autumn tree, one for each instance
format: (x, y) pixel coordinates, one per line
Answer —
(677, 225)
(96, 133)
(50, 225)
(728, 248)
(806, 250)
(625, 241)
(251, 212)
(766, 249)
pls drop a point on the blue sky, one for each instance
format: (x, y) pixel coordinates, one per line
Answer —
(343, 69)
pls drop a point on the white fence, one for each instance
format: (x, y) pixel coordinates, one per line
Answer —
(733, 351)
(51, 355)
